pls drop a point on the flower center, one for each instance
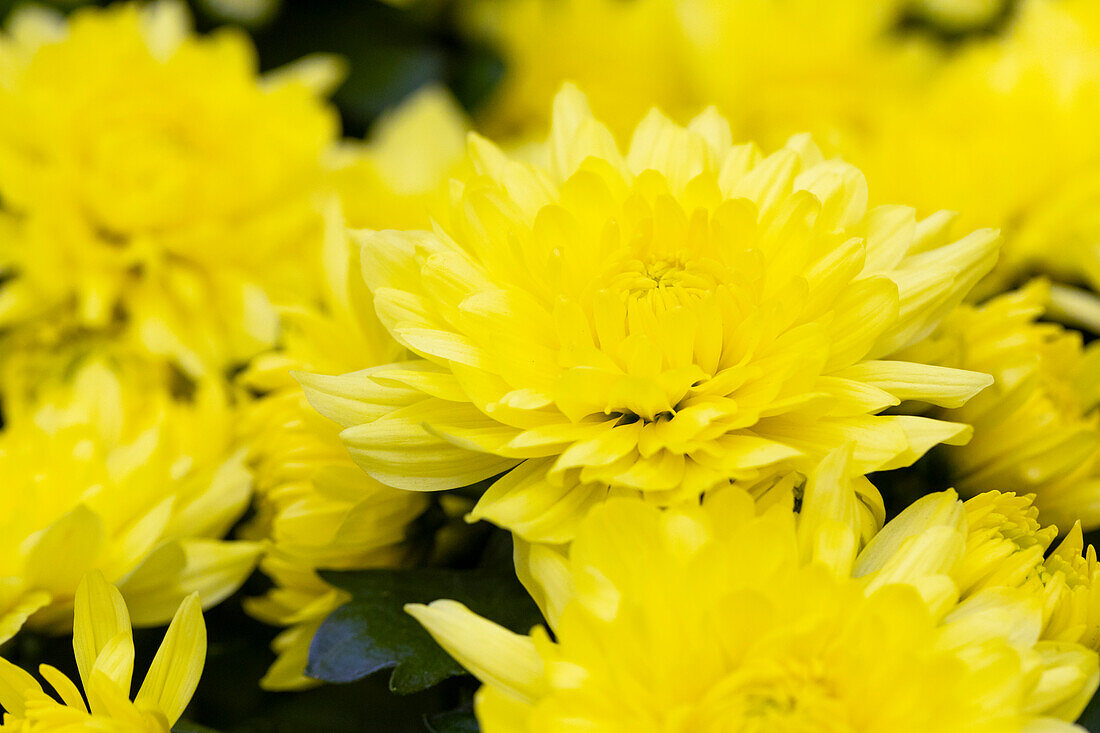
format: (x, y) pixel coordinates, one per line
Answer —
(777, 699)
(664, 283)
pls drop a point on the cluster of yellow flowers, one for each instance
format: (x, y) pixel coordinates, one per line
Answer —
(678, 299)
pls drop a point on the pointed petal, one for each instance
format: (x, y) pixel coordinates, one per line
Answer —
(907, 381)
(942, 509)
(15, 684)
(495, 655)
(64, 687)
(176, 668)
(99, 617)
(544, 572)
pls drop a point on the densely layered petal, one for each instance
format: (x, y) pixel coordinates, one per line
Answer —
(119, 477)
(661, 321)
(154, 182)
(727, 616)
(1037, 430)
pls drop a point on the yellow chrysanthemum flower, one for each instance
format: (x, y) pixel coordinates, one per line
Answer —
(1006, 136)
(152, 180)
(716, 618)
(121, 477)
(1007, 547)
(780, 68)
(773, 68)
(1037, 429)
(625, 55)
(660, 322)
(316, 508)
(400, 177)
(104, 645)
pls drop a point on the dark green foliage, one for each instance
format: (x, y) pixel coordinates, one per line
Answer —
(373, 632)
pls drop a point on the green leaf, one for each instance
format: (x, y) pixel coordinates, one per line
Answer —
(372, 632)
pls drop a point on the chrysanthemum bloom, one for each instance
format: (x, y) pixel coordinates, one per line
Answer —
(626, 55)
(1034, 92)
(399, 178)
(714, 618)
(102, 474)
(104, 645)
(153, 181)
(316, 508)
(1007, 547)
(779, 68)
(1037, 429)
(662, 322)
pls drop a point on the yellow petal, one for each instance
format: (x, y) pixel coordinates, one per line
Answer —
(15, 683)
(544, 571)
(993, 614)
(575, 135)
(864, 311)
(933, 283)
(355, 398)
(1070, 677)
(942, 509)
(319, 72)
(492, 653)
(908, 381)
(65, 551)
(100, 619)
(524, 501)
(399, 451)
(15, 616)
(213, 569)
(829, 509)
(499, 712)
(176, 668)
(64, 686)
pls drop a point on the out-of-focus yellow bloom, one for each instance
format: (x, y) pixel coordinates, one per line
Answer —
(1006, 135)
(625, 55)
(121, 477)
(317, 509)
(659, 322)
(400, 178)
(772, 68)
(104, 645)
(1037, 429)
(780, 68)
(152, 181)
(717, 618)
